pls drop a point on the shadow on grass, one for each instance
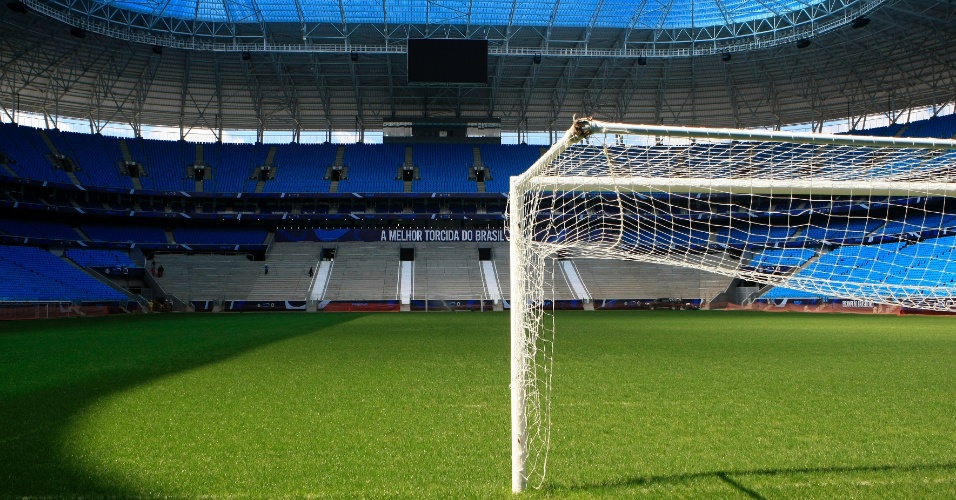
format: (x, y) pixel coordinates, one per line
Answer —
(76, 363)
(728, 477)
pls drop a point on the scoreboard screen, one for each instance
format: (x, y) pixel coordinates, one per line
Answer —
(447, 60)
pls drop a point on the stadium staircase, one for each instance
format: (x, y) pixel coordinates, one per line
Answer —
(574, 280)
(364, 271)
(83, 236)
(556, 280)
(501, 256)
(46, 140)
(406, 283)
(288, 277)
(479, 165)
(408, 163)
(321, 281)
(490, 276)
(339, 164)
(270, 156)
(124, 149)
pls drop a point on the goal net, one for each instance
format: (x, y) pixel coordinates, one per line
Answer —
(796, 216)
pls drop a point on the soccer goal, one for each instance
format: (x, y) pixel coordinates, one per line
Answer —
(799, 215)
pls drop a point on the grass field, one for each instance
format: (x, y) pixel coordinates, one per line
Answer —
(658, 404)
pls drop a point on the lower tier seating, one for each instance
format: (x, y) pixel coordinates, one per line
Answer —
(34, 274)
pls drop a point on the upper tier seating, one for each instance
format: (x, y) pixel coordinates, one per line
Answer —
(96, 158)
(38, 229)
(100, 258)
(164, 162)
(31, 274)
(373, 168)
(444, 168)
(505, 161)
(301, 168)
(233, 165)
(27, 154)
(887, 131)
(124, 233)
(941, 127)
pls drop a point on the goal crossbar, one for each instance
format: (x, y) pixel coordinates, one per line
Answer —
(741, 186)
(585, 128)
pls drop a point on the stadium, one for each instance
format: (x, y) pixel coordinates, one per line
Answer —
(288, 248)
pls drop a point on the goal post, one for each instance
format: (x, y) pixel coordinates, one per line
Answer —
(837, 216)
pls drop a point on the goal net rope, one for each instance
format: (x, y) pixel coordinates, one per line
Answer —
(797, 215)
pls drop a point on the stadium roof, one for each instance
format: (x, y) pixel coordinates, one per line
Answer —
(316, 65)
(649, 27)
(645, 14)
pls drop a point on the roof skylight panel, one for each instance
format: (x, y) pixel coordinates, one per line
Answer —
(650, 14)
(533, 13)
(449, 12)
(401, 11)
(364, 12)
(490, 14)
(209, 10)
(240, 12)
(177, 9)
(576, 14)
(321, 11)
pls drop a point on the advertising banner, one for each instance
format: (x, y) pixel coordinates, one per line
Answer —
(263, 305)
(116, 271)
(202, 305)
(420, 235)
(360, 306)
(620, 304)
(452, 305)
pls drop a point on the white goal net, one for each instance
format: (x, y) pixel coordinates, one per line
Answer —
(797, 216)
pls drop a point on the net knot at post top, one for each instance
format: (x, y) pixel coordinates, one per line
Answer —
(582, 127)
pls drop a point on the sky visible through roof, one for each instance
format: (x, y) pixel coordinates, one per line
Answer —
(637, 14)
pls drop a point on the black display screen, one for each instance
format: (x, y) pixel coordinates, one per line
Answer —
(445, 60)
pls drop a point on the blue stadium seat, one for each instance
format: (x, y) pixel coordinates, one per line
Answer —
(100, 258)
(33, 274)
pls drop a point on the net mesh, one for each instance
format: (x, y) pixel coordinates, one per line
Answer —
(799, 217)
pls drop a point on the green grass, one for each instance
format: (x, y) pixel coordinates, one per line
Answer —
(658, 404)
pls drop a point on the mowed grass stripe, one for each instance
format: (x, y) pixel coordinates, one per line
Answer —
(682, 404)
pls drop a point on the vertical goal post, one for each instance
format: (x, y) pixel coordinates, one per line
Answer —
(730, 202)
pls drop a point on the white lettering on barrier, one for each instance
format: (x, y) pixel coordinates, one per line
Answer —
(443, 235)
(402, 235)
